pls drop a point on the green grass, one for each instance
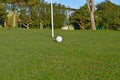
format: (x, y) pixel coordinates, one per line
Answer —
(83, 55)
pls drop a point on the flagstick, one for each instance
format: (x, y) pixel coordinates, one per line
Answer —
(52, 19)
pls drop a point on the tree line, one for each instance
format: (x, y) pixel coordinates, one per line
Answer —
(37, 14)
(106, 15)
(31, 14)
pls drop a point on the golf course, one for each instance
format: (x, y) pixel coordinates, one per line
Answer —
(82, 55)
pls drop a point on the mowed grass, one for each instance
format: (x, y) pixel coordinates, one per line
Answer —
(83, 55)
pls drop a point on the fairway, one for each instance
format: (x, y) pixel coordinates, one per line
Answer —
(82, 55)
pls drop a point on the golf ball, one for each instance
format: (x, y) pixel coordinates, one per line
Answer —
(59, 39)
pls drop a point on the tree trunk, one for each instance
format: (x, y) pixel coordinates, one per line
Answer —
(91, 8)
(41, 25)
(5, 24)
(14, 20)
(92, 21)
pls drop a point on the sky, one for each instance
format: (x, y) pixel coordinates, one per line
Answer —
(78, 3)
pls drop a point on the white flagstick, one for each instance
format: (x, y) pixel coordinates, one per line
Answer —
(52, 19)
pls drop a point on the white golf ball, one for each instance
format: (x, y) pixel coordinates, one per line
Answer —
(59, 39)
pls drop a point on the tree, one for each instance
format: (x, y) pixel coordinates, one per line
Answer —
(3, 14)
(11, 8)
(91, 8)
(108, 14)
(80, 18)
(59, 15)
(36, 13)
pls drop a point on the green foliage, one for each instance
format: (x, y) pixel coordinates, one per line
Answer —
(41, 14)
(108, 14)
(3, 14)
(59, 15)
(59, 20)
(35, 12)
(34, 55)
(81, 17)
